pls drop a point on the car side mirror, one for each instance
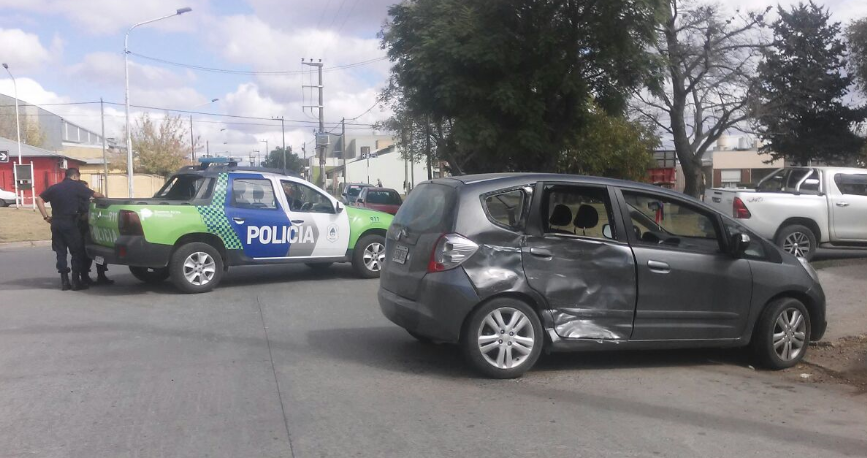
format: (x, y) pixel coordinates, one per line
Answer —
(739, 244)
(338, 208)
(606, 231)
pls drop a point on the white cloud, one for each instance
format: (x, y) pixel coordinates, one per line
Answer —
(100, 17)
(23, 51)
(104, 68)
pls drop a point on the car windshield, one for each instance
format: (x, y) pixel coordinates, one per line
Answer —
(353, 191)
(383, 197)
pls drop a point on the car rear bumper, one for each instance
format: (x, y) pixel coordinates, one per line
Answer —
(132, 251)
(444, 301)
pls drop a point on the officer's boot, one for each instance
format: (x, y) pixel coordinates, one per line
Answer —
(101, 279)
(85, 278)
(76, 282)
(64, 281)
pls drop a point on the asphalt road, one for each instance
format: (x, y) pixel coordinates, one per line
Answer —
(282, 361)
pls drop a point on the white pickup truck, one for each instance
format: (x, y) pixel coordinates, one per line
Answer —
(801, 208)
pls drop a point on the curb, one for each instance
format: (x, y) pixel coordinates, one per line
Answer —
(27, 244)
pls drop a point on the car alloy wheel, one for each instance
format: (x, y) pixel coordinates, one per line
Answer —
(798, 244)
(374, 256)
(790, 334)
(199, 268)
(506, 338)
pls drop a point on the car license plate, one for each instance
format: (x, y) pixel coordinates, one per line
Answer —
(99, 260)
(400, 254)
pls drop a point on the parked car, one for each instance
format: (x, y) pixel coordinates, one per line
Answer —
(802, 208)
(351, 191)
(510, 265)
(380, 199)
(206, 219)
(6, 197)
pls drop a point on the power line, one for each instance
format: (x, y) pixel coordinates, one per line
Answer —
(256, 72)
(333, 19)
(351, 9)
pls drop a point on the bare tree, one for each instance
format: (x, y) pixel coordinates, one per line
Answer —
(707, 66)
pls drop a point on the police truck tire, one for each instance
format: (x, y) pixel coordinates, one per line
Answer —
(150, 275)
(368, 256)
(196, 268)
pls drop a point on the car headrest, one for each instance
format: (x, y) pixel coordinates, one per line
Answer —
(587, 217)
(561, 216)
(258, 193)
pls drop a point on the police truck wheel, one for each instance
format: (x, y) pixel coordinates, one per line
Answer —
(150, 275)
(369, 255)
(196, 268)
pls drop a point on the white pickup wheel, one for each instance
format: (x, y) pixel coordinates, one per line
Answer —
(797, 240)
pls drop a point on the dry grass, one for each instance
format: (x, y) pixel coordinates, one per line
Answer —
(22, 225)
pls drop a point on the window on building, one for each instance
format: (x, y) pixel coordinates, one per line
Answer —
(730, 178)
(365, 151)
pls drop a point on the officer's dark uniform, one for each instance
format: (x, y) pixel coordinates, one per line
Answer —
(84, 228)
(65, 199)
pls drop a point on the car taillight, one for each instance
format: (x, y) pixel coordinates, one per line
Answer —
(741, 210)
(451, 251)
(129, 223)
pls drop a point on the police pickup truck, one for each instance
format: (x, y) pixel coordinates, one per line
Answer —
(209, 217)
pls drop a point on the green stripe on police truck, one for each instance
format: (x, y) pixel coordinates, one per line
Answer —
(214, 215)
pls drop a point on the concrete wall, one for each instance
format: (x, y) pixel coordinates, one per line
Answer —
(390, 168)
(144, 185)
(749, 159)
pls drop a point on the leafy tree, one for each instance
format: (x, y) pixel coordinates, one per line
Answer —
(159, 146)
(610, 146)
(504, 85)
(705, 70)
(274, 160)
(800, 112)
(856, 35)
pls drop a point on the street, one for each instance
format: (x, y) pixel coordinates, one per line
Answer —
(283, 361)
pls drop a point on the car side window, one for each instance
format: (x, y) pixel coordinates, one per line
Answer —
(851, 183)
(506, 208)
(302, 198)
(253, 193)
(663, 221)
(577, 211)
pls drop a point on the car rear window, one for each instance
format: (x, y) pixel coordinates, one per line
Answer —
(181, 187)
(353, 191)
(429, 208)
(383, 197)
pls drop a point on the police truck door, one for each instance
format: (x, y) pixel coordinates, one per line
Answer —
(257, 217)
(321, 231)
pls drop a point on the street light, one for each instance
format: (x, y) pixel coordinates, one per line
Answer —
(18, 133)
(126, 82)
(192, 139)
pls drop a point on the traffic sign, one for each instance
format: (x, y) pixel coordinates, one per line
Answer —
(4, 156)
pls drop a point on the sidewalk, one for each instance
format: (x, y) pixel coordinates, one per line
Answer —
(27, 244)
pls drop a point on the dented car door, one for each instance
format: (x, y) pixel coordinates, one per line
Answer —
(576, 256)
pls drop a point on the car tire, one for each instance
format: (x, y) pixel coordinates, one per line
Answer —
(782, 334)
(3, 203)
(500, 336)
(150, 275)
(196, 268)
(319, 266)
(792, 239)
(369, 256)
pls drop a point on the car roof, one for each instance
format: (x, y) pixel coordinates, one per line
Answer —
(516, 179)
(377, 188)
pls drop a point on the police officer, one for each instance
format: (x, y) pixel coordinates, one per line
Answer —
(65, 199)
(84, 228)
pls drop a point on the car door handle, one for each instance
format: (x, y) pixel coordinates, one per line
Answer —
(541, 252)
(297, 221)
(842, 204)
(659, 266)
(238, 220)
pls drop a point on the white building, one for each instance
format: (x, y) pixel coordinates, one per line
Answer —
(385, 165)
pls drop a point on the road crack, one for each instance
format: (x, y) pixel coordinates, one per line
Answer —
(276, 380)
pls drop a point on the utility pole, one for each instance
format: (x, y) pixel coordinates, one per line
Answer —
(207, 148)
(321, 107)
(342, 153)
(283, 131)
(267, 152)
(192, 141)
(104, 158)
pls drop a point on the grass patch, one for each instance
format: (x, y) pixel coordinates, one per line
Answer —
(22, 225)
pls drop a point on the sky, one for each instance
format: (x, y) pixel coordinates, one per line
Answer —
(71, 51)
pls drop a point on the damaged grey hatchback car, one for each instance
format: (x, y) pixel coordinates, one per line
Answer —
(510, 265)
